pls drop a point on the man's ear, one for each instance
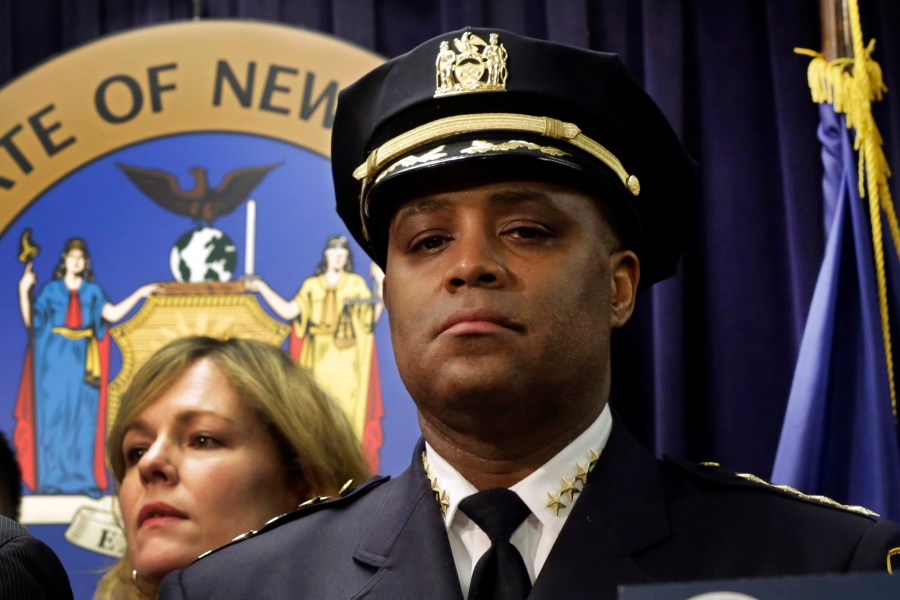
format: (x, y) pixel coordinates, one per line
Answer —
(625, 274)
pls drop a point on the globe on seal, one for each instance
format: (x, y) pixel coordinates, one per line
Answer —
(204, 254)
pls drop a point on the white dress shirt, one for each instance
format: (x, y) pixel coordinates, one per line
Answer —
(536, 535)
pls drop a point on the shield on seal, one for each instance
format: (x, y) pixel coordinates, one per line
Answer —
(469, 69)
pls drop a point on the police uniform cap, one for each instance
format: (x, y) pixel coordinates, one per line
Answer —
(499, 105)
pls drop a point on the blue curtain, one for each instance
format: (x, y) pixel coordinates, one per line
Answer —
(704, 369)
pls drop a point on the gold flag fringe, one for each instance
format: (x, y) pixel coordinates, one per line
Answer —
(851, 85)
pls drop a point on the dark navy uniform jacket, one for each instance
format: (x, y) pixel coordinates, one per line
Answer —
(29, 570)
(637, 520)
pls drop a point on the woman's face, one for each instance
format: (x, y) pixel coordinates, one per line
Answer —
(75, 261)
(336, 258)
(200, 469)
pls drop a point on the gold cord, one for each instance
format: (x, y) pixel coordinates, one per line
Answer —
(851, 85)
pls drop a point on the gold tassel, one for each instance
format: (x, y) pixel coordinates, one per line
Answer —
(851, 85)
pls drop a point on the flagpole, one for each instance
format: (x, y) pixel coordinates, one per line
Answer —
(850, 82)
(837, 40)
(840, 436)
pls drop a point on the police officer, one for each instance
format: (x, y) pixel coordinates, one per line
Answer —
(518, 193)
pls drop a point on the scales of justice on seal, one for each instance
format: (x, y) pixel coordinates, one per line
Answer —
(205, 298)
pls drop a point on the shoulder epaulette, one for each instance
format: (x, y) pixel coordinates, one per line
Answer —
(712, 471)
(307, 508)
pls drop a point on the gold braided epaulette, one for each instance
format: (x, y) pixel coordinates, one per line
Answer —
(817, 498)
(792, 492)
(345, 493)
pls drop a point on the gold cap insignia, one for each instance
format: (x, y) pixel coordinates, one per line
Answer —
(478, 67)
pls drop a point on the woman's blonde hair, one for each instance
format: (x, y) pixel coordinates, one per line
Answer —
(318, 448)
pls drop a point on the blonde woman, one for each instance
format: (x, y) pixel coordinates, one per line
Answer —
(214, 438)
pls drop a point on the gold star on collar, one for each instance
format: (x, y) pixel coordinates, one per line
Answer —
(555, 503)
(581, 473)
(440, 495)
(569, 488)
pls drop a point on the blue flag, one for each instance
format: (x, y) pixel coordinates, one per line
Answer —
(840, 438)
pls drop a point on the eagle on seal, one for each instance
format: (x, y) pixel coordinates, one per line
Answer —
(201, 203)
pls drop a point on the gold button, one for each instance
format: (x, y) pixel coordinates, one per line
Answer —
(634, 186)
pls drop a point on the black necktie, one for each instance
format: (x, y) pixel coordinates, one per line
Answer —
(500, 573)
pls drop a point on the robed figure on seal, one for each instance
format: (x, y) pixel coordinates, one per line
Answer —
(61, 405)
(333, 317)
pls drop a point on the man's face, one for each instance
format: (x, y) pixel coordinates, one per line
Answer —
(505, 292)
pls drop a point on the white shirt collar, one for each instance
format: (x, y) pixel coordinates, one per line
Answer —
(534, 488)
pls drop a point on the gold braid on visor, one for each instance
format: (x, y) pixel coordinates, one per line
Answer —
(449, 127)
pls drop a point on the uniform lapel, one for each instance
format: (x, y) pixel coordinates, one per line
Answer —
(621, 511)
(408, 543)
